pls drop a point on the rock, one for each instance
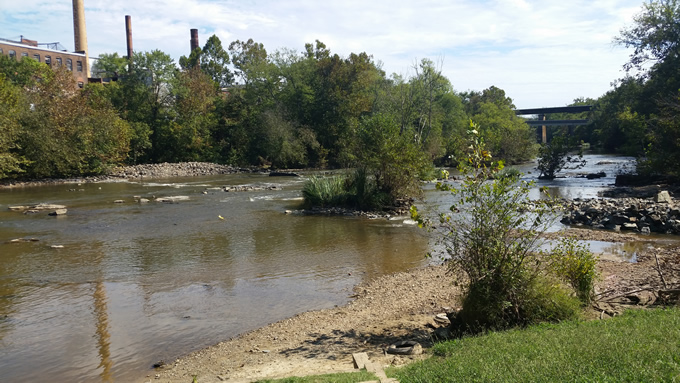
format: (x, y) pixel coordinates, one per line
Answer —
(593, 176)
(283, 174)
(119, 201)
(40, 206)
(57, 247)
(645, 230)
(663, 197)
(142, 200)
(23, 240)
(629, 226)
(442, 318)
(174, 199)
(58, 212)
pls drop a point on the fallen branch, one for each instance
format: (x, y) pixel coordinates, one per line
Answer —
(658, 269)
(627, 293)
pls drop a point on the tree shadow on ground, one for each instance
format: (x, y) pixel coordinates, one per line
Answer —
(340, 343)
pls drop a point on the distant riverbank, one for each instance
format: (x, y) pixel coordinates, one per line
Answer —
(136, 172)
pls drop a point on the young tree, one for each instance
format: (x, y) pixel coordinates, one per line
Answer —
(493, 247)
(554, 157)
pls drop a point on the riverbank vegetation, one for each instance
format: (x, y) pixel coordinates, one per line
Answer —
(244, 105)
(640, 115)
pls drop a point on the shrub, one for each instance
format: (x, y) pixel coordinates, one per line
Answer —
(554, 157)
(495, 247)
(574, 263)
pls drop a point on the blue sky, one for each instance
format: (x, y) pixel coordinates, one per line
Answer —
(542, 53)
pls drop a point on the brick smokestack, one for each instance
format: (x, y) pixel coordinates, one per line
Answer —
(194, 39)
(194, 44)
(128, 33)
(80, 32)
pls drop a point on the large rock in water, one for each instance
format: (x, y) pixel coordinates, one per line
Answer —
(59, 212)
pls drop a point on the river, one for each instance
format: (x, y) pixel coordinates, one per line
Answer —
(137, 283)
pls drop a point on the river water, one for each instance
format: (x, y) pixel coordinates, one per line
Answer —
(138, 283)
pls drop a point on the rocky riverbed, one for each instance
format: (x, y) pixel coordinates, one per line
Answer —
(659, 214)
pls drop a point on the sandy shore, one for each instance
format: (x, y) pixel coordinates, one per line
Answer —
(389, 309)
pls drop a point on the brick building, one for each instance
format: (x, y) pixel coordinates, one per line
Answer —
(75, 62)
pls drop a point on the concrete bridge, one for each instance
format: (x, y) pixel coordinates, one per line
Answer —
(542, 122)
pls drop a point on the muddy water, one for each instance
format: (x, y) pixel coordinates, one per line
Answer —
(138, 283)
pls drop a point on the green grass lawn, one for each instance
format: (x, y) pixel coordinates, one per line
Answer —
(354, 377)
(640, 346)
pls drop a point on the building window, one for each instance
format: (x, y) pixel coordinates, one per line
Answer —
(58, 61)
(36, 57)
(12, 53)
(48, 60)
(24, 54)
(0, 51)
(79, 66)
(69, 64)
(80, 84)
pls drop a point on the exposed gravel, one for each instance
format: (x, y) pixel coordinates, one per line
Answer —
(163, 170)
(394, 308)
(182, 169)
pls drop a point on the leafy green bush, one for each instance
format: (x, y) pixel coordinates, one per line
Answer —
(494, 247)
(554, 156)
(575, 263)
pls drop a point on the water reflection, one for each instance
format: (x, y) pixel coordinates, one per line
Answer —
(102, 333)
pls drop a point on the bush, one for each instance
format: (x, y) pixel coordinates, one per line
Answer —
(554, 156)
(574, 263)
(494, 248)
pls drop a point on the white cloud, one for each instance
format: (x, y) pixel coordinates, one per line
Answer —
(543, 53)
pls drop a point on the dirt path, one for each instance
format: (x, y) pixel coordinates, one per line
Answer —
(389, 309)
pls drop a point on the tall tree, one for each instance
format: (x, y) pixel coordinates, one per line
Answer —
(215, 62)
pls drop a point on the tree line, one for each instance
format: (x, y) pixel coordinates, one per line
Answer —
(640, 115)
(242, 105)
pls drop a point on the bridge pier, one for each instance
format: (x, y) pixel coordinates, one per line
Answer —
(544, 131)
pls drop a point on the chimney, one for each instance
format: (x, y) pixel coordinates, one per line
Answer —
(194, 39)
(128, 32)
(80, 32)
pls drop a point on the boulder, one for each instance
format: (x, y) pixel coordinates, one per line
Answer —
(593, 176)
(58, 212)
(663, 197)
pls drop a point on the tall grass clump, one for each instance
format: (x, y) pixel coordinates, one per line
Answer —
(493, 248)
(574, 263)
(324, 191)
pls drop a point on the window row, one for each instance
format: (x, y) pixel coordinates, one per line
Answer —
(48, 60)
